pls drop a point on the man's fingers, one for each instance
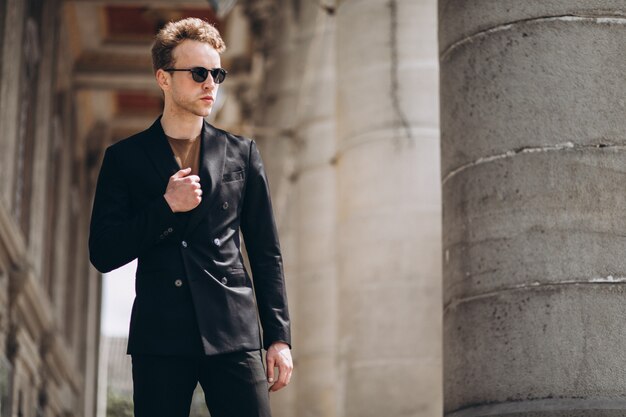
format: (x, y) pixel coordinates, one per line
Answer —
(285, 368)
(280, 380)
(283, 376)
(270, 368)
(192, 179)
(277, 386)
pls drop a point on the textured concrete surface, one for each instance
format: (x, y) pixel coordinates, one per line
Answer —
(546, 408)
(536, 218)
(458, 21)
(533, 163)
(535, 84)
(388, 209)
(316, 184)
(550, 341)
(299, 148)
(354, 163)
(277, 92)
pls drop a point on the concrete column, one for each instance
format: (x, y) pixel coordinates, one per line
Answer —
(388, 209)
(299, 150)
(272, 125)
(3, 12)
(315, 184)
(534, 235)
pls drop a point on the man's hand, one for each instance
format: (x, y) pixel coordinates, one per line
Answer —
(183, 191)
(279, 355)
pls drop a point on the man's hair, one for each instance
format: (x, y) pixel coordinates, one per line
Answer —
(174, 33)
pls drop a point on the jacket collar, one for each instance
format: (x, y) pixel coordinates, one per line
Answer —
(159, 150)
(212, 158)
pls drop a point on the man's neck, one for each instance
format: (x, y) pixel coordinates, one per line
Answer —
(181, 126)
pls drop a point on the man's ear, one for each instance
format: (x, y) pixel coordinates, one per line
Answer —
(163, 79)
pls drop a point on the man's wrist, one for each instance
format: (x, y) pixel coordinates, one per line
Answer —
(279, 344)
(167, 200)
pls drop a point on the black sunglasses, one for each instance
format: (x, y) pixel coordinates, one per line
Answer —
(199, 74)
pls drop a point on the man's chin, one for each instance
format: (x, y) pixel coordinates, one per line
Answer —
(203, 112)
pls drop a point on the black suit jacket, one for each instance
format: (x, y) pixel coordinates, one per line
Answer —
(193, 293)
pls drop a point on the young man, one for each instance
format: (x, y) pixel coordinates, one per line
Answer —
(175, 196)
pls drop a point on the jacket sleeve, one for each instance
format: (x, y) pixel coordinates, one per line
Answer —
(117, 234)
(261, 238)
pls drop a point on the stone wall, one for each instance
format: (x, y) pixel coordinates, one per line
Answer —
(49, 296)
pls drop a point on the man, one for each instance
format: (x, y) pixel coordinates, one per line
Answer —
(175, 196)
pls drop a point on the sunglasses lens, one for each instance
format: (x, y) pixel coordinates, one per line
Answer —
(199, 74)
(218, 74)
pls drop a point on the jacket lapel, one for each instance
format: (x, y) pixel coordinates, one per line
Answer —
(158, 149)
(212, 158)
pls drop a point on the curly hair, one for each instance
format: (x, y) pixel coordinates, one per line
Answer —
(174, 33)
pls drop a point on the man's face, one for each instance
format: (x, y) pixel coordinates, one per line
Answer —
(185, 94)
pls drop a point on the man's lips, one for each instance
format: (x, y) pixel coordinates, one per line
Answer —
(208, 98)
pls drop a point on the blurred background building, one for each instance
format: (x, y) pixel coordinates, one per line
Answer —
(342, 97)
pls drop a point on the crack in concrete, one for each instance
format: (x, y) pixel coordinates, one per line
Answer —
(610, 279)
(395, 82)
(529, 149)
(377, 134)
(614, 18)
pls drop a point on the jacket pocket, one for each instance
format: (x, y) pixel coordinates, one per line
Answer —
(233, 176)
(233, 278)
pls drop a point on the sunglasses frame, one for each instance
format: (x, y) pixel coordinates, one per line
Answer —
(218, 74)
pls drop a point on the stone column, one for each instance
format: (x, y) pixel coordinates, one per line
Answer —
(388, 209)
(315, 182)
(298, 143)
(43, 135)
(534, 235)
(271, 100)
(10, 60)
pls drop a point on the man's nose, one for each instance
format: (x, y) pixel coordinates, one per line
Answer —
(209, 84)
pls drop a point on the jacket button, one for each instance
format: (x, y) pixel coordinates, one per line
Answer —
(225, 205)
(184, 244)
(224, 280)
(216, 241)
(178, 282)
(170, 230)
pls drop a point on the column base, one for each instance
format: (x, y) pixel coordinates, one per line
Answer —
(596, 407)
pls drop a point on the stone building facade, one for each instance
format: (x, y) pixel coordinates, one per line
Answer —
(49, 295)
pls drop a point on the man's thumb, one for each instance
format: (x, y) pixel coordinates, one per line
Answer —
(182, 172)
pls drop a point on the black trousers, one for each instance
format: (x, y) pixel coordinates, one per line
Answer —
(234, 384)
